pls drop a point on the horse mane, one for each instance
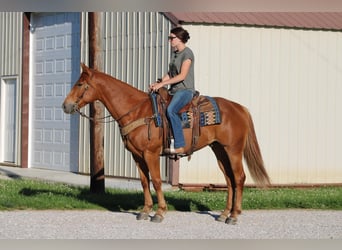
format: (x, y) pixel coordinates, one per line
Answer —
(118, 81)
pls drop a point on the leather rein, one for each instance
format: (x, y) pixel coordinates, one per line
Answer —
(125, 130)
(100, 120)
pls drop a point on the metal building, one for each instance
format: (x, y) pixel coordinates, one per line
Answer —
(136, 51)
(10, 87)
(41, 58)
(284, 68)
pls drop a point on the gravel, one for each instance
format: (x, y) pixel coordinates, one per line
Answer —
(252, 224)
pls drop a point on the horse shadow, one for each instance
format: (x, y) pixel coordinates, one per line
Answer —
(127, 202)
(9, 174)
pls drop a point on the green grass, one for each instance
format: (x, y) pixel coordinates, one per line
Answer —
(30, 194)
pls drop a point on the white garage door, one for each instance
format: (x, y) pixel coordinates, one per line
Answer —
(55, 66)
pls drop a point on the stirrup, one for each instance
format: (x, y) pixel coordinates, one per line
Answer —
(173, 151)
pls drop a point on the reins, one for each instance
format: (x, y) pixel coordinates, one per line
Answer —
(123, 129)
(131, 110)
(100, 120)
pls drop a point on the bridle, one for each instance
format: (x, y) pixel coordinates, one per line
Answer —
(79, 98)
(124, 129)
(103, 119)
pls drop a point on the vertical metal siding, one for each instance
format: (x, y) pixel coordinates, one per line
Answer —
(10, 43)
(136, 51)
(11, 61)
(84, 141)
(290, 82)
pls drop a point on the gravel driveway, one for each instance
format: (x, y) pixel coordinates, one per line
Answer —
(252, 224)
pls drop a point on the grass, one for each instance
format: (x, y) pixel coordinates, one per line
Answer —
(37, 195)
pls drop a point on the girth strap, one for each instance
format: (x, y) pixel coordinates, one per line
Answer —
(133, 125)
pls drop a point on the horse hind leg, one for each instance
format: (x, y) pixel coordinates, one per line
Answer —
(238, 179)
(229, 201)
(231, 166)
(224, 164)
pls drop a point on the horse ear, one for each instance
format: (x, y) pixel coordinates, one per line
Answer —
(86, 69)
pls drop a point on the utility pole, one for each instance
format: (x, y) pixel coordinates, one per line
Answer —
(97, 178)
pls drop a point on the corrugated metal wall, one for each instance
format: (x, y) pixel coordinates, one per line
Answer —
(135, 50)
(291, 82)
(10, 66)
(10, 43)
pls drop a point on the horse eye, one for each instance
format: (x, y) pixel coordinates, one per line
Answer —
(79, 84)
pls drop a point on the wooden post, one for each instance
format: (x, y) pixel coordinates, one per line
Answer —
(25, 91)
(173, 172)
(97, 178)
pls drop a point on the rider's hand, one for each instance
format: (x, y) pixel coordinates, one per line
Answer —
(155, 86)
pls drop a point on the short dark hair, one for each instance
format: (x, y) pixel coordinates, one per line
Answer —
(181, 33)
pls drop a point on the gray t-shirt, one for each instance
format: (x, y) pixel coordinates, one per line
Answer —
(175, 67)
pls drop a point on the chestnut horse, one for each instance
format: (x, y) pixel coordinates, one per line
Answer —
(231, 140)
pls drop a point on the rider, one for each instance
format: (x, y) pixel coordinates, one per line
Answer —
(182, 87)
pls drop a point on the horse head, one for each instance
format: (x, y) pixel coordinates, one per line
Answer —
(82, 93)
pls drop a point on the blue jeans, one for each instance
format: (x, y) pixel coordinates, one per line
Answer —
(179, 100)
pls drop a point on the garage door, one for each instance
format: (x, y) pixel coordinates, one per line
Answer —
(55, 66)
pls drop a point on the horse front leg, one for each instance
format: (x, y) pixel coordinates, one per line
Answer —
(153, 163)
(145, 183)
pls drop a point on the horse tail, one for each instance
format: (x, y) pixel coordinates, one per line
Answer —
(253, 157)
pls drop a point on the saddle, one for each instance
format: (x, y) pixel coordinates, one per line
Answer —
(200, 111)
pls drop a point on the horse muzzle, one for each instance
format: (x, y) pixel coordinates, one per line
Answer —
(69, 108)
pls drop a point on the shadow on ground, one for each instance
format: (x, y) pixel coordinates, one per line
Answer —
(9, 174)
(120, 201)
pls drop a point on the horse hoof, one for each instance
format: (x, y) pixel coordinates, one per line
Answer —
(231, 221)
(157, 218)
(221, 218)
(142, 216)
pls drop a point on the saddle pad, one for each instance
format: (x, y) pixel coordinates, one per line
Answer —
(208, 117)
(208, 110)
